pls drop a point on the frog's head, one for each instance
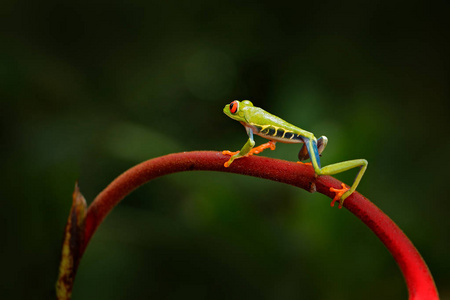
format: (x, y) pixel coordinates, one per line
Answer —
(236, 110)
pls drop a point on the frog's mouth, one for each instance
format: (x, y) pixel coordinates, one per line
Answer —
(226, 110)
(237, 116)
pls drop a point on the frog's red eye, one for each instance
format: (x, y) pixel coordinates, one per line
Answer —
(234, 107)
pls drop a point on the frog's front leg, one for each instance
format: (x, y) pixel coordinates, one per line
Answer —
(238, 154)
(248, 149)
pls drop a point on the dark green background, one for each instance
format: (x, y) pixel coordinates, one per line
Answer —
(91, 89)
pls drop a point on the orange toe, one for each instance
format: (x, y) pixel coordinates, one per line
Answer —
(260, 148)
(231, 153)
(339, 193)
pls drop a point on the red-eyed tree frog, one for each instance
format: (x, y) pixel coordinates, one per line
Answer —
(260, 122)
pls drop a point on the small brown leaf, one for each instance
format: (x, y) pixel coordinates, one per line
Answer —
(72, 245)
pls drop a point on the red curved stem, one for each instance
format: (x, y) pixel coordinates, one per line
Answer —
(418, 278)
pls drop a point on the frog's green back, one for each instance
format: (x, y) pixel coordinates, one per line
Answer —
(272, 127)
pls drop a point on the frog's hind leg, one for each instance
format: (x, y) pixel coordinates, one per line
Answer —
(344, 192)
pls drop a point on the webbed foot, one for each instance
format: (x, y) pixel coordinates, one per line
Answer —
(233, 155)
(339, 194)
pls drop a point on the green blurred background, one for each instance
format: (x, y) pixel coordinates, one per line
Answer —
(89, 89)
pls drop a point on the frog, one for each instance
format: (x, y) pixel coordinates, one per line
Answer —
(259, 122)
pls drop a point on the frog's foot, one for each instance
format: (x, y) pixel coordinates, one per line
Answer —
(260, 148)
(302, 163)
(338, 196)
(233, 155)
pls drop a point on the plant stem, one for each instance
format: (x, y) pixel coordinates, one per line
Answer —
(417, 276)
